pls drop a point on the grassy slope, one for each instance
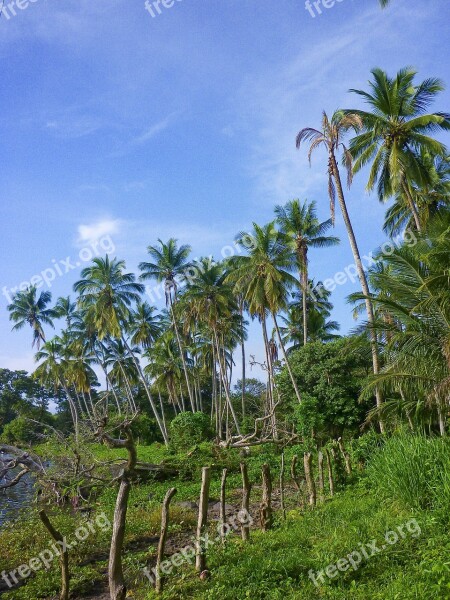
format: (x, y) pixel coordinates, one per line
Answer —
(273, 565)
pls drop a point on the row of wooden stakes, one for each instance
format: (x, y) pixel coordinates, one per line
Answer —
(315, 492)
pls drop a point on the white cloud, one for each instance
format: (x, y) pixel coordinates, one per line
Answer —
(95, 231)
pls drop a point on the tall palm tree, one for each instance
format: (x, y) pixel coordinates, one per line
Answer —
(52, 372)
(27, 309)
(107, 294)
(169, 263)
(396, 134)
(331, 137)
(264, 278)
(209, 301)
(303, 230)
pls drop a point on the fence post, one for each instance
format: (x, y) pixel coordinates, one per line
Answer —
(159, 580)
(200, 557)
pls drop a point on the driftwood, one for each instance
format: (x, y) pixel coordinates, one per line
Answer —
(246, 489)
(159, 580)
(200, 555)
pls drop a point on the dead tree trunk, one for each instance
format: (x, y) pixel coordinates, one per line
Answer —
(265, 511)
(200, 555)
(159, 580)
(223, 515)
(330, 472)
(310, 478)
(345, 456)
(246, 489)
(321, 485)
(63, 555)
(282, 506)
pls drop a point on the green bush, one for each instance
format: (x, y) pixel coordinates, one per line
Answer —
(19, 431)
(189, 429)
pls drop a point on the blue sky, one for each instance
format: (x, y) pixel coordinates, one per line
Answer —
(118, 124)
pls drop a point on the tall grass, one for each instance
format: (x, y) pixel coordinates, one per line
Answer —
(413, 470)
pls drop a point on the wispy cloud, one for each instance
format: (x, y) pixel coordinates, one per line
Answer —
(88, 233)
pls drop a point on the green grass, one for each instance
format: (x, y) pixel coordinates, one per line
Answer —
(274, 565)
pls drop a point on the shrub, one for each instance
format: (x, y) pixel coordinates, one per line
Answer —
(189, 429)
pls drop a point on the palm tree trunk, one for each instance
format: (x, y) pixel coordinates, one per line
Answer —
(412, 206)
(270, 394)
(288, 366)
(224, 382)
(180, 346)
(362, 279)
(147, 390)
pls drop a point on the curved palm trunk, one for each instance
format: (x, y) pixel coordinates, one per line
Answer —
(288, 366)
(361, 276)
(183, 360)
(412, 206)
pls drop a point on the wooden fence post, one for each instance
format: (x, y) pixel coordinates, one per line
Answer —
(246, 489)
(282, 506)
(345, 456)
(223, 516)
(330, 472)
(310, 478)
(321, 478)
(265, 510)
(159, 580)
(200, 557)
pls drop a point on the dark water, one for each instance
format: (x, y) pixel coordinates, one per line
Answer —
(15, 498)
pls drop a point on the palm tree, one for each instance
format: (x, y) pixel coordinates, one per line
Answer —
(144, 326)
(429, 198)
(320, 329)
(303, 230)
(52, 372)
(396, 134)
(27, 309)
(170, 263)
(331, 137)
(65, 309)
(413, 290)
(209, 301)
(107, 294)
(263, 278)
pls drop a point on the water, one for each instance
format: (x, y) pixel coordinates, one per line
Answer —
(15, 498)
